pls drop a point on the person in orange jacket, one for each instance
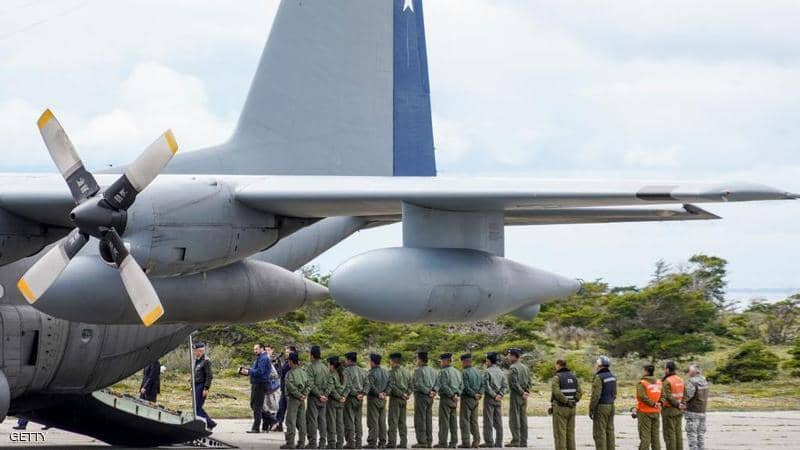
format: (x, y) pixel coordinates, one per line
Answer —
(648, 395)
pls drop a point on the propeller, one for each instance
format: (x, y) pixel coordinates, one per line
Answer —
(102, 215)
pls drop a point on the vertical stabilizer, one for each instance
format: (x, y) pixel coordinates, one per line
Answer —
(341, 89)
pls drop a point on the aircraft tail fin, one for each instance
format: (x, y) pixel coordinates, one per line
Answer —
(341, 89)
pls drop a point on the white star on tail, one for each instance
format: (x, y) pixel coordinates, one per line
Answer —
(409, 4)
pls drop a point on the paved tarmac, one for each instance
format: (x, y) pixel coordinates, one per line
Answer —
(726, 430)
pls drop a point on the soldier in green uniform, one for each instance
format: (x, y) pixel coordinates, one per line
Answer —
(648, 394)
(672, 407)
(355, 382)
(519, 383)
(601, 405)
(448, 386)
(470, 399)
(336, 400)
(377, 392)
(423, 384)
(297, 388)
(565, 393)
(317, 399)
(495, 387)
(399, 393)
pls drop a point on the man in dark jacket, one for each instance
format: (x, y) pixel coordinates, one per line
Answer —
(202, 382)
(259, 374)
(151, 382)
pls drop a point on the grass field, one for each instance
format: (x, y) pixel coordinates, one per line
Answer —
(229, 397)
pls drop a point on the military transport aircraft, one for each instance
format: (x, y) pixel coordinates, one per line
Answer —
(115, 270)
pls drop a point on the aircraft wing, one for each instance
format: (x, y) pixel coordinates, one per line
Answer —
(524, 200)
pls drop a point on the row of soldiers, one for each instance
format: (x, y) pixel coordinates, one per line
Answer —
(325, 403)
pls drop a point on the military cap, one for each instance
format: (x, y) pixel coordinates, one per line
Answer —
(333, 360)
(199, 345)
(315, 351)
(466, 356)
(446, 356)
(396, 355)
(422, 355)
(352, 356)
(294, 357)
(514, 351)
(375, 358)
(492, 356)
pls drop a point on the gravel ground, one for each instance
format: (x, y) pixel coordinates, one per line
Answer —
(726, 430)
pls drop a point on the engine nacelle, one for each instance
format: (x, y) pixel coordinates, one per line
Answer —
(441, 285)
(244, 292)
(20, 238)
(182, 226)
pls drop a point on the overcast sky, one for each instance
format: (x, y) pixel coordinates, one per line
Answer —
(636, 89)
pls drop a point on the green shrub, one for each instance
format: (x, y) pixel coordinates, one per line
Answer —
(750, 362)
(545, 369)
(794, 364)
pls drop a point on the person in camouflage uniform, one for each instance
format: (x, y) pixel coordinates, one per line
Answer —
(565, 393)
(355, 381)
(470, 399)
(519, 383)
(672, 407)
(449, 386)
(297, 389)
(424, 386)
(601, 405)
(696, 403)
(377, 392)
(399, 393)
(648, 395)
(336, 400)
(495, 387)
(317, 399)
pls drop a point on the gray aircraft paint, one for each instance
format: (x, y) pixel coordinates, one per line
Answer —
(441, 285)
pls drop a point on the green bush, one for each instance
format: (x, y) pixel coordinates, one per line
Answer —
(750, 362)
(545, 369)
(794, 364)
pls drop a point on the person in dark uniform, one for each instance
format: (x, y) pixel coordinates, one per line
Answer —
(151, 382)
(202, 382)
(601, 405)
(284, 369)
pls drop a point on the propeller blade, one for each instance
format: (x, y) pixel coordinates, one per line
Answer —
(81, 183)
(141, 172)
(140, 290)
(42, 274)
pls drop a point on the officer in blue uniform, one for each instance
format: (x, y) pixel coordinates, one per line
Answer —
(202, 382)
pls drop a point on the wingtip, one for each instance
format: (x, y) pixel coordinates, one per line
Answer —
(46, 116)
(791, 196)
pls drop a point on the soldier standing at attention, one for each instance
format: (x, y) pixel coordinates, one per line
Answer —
(495, 387)
(336, 400)
(648, 394)
(449, 386)
(519, 383)
(355, 380)
(424, 387)
(377, 391)
(672, 407)
(696, 402)
(470, 399)
(297, 389)
(565, 393)
(399, 392)
(151, 382)
(601, 405)
(317, 399)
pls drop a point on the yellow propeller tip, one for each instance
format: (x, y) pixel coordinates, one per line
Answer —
(173, 144)
(46, 116)
(26, 291)
(150, 318)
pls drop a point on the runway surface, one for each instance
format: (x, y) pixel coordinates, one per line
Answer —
(734, 430)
